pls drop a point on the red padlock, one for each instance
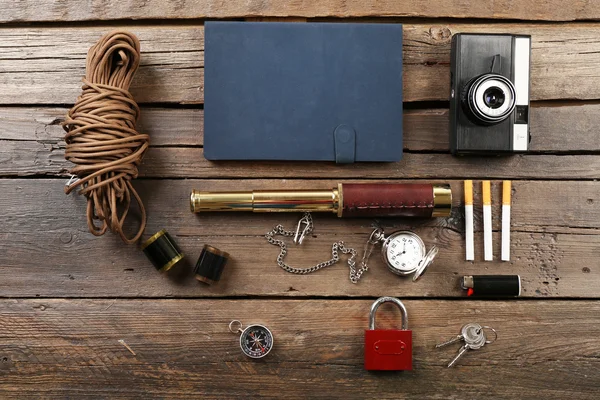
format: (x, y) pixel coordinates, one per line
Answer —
(388, 349)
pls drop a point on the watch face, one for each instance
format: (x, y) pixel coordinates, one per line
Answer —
(256, 341)
(403, 251)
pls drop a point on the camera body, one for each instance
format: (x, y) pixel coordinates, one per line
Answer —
(489, 93)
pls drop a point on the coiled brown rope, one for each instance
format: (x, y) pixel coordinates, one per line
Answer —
(101, 137)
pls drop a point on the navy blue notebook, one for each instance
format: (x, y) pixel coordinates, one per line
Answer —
(303, 91)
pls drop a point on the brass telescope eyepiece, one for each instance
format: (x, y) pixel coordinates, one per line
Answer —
(346, 200)
(266, 201)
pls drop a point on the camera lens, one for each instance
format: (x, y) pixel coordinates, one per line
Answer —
(489, 98)
(493, 97)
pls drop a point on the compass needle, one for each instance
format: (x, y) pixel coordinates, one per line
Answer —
(256, 341)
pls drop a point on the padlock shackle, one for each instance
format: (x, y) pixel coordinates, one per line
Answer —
(382, 300)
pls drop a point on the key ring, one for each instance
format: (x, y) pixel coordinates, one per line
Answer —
(495, 334)
(239, 329)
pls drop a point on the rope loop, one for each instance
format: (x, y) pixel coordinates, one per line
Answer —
(101, 137)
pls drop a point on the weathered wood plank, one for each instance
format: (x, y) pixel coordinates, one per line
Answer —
(166, 126)
(31, 145)
(52, 264)
(554, 246)
(183, 347)
(570, 127)
(45, 65)
(47, 10)
(190, 163)
(574, 206)
(34, 158)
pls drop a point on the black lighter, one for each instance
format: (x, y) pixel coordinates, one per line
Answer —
(492, 285)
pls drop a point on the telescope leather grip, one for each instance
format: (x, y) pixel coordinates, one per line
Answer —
(387, 200)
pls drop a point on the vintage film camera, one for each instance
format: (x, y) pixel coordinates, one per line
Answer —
(489, 93)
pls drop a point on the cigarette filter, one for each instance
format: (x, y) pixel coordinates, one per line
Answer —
(506, 191)
(487, 222)
(469, 241)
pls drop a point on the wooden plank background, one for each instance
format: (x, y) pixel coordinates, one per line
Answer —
(67, 297)
(171, 71)
(183, 349)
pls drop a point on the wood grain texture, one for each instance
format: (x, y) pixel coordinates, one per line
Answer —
(32, 145)
(570, 127)
(45, 65)
(39, 158)
(183, 349)
(68, 297)
(190, 163)
(47, 10)
(574, 208)
(166, 126)
(43, 230)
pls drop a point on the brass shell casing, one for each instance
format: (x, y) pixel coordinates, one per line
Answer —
(267, 201)
(442, 200)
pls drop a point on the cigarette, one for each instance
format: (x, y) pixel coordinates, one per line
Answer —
(506, 189)
(469, 241)
(487, 222)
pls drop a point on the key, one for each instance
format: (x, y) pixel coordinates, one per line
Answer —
(455, 339)
(474, 337)
(470, 330)
(462, 351)
(471, 343)
(473, 332)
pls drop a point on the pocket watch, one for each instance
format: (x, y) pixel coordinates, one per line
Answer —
(403, 251)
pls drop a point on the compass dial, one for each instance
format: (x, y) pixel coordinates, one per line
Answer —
(256, 341)
(403, 251)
